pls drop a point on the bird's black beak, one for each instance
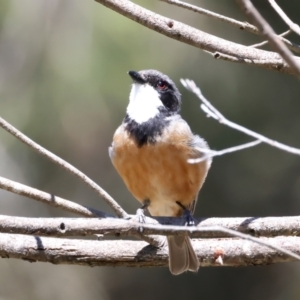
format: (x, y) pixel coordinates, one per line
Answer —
(136, 77)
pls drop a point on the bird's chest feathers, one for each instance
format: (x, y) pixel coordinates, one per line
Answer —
(158, 172)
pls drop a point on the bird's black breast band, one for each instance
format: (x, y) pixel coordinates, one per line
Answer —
(147, 132)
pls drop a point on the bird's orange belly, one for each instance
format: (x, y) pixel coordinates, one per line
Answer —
(159, 172)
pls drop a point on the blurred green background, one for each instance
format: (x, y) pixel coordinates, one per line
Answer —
(64, 83)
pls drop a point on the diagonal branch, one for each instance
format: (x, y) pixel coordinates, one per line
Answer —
(211, 111)
(266, 42)
(267, 31)
(195, 37)
(284, 17)
(292, 46)
(50, 199)
(65, 165)
(241, 25)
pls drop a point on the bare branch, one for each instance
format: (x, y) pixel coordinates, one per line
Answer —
(9, 224)
(195, 37)
(255, 240)
(266, 42)
(65, 165)
(234, 252)
(267, 31)
(284, 17)
(62, 227)
(292, 46)
(241, 25)
(211, 111)
(261, 63)
(49, 199)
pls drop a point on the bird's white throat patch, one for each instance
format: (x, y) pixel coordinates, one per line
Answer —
(143, 104)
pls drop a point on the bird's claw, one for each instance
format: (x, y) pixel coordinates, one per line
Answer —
(189, 218)
(140, 213)
(187, 214)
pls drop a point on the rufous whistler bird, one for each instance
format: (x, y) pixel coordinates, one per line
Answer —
(150, 151)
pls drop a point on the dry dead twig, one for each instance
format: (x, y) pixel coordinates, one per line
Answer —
(65, 165)
(267, 31)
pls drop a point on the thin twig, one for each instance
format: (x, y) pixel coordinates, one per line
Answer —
(50, 199)
(284, 17)
(292, 46)
(212, 153)
(241, 25)
(266, 42)
(211, 111)
(287, 42)
(267, 31)
(280, 64)
(65, 165)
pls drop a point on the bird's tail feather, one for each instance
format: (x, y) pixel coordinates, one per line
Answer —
(182, 256)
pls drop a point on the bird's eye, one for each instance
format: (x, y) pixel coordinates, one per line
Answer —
(162, 85)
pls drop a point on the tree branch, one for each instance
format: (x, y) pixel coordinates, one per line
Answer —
(211, 252)
(254, 62)
(241, 25)
(233, 252)
(211, 111)
(267, 31)
(50, 199)
(284, 17)
(62, 227)
(65, 165)
(195, 37)
(292, 46)
(289, 44)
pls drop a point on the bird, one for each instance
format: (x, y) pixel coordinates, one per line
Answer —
(150, 151)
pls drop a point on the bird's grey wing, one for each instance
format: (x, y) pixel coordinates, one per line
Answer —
(197, 143)
(111, 151)
(194, 142)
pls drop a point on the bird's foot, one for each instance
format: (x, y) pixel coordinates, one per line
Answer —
(140, 213)
(187, 214)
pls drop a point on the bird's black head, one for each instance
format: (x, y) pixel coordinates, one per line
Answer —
(165, 87)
